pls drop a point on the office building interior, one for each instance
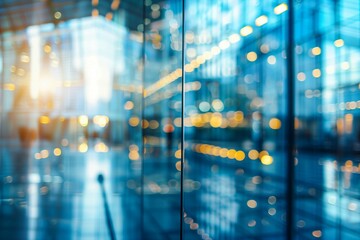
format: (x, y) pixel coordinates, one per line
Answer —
(180, 119)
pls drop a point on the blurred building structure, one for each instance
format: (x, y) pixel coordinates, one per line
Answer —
(179, 119)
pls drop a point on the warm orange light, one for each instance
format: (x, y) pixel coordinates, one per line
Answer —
(251, 204)
(83, 120)
(275, 123)
(245, 31)
(316, 51)
(145, 124)
(129, 105)
(178, 154)
(57, 15)
(168, 128)
(109, 16)
(263, 153)
(317, 233)
(9, 87)
(216, 120)
(101, 147)
(251, 56)
(240, 155)
(234, 38)
(261, 20)
(44, 120)
(279, 9)
(267, 160)
(101, 120)
(95, 2)
(231, 153)
(154, 124)
(83, 147)
(44, 153)
(339, 43)
(134, 121)
(316, 73)
(115, 4)
(134, 155)
(223, 152)
(178, 165)
(57, 151)
(253, 154)
(95, 13)
(47, 48)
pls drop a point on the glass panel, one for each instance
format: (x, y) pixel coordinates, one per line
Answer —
(70, 162)
(119, 121)
(327, 112)
(235, 166)
(162, 119)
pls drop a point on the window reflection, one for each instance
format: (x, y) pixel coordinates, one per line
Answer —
(182, 106)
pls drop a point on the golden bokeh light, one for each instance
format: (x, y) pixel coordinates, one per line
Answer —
(223, 152)
(316, 73)
(251, 203)
(317, 233)
(44, 153)
(129, 105)
(178, 165)
(253, 154)
(216, 120)
(101, 120)
(261, 20)
(301, 76)
(245, 31)
(44, 120)
(134, 121)
(83, 148)
(9, 87)
(263, 153)
(83, 120)
(266, 160)
(154, 124)
(57, 15)
(239, 155)
(101, 147)
(281, 8)
(316, 51)
(57, 151)
(251, 56)
(231, 153)
(275, 123)
(339, 43)
(178, 154)
(134, 155)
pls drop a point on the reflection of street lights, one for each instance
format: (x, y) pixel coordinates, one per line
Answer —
(83, 120)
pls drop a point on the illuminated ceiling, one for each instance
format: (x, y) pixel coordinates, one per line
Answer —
(16, 15)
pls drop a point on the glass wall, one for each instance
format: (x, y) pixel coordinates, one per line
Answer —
(70, 94)
(234, 122)
(162, 119)
(179, 119)
(327, 113)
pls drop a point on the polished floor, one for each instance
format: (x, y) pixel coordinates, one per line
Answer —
(44, 196)
(52, 194)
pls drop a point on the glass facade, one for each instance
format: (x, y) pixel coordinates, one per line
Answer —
(178, 119)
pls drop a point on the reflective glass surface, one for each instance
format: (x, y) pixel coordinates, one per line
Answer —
(162, 119)
(70, 159)
(179, 119)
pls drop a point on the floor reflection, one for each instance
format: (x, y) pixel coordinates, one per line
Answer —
(243, 198)
(52, 194)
